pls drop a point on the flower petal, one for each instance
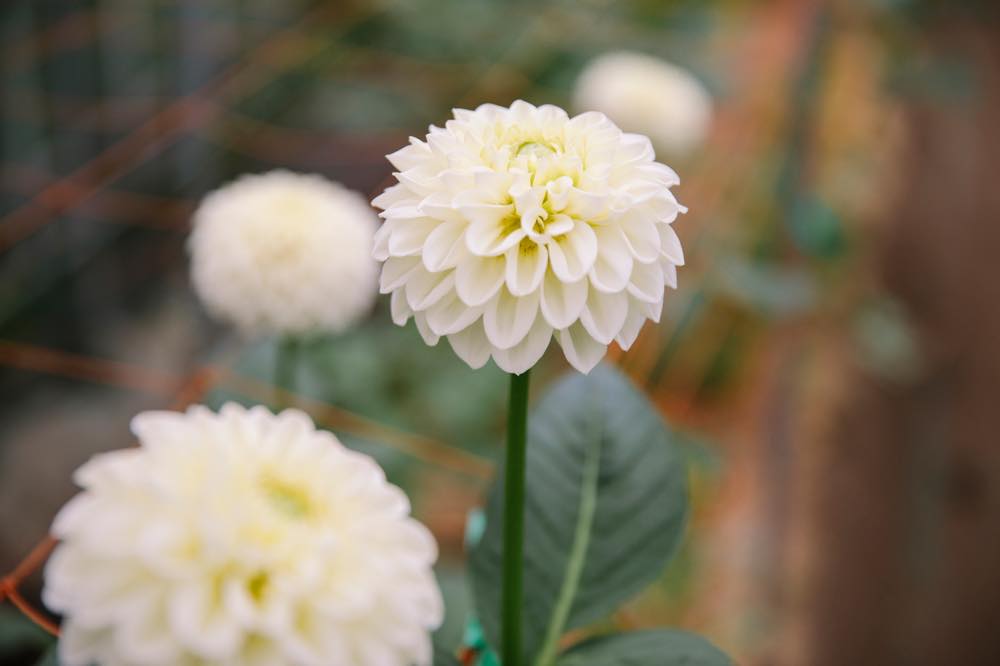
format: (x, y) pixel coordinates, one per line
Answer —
(647, 282)
(396, 271)
(491, 186)
(409, 156)
(642, 237)
(633, 325)
(587, 206)
(199, 623)
(508, 318)
(670, 244)
(407, 237)
(486, 214)
(652, 311)
(581, 350)
(669, 274)
(444, 246)
(558, 191)
(494, 233)
(559, 224)
(450, 315)
(604, 315)
(440, 206)
(613, 266)
(399, 308)
(380, 242)
(430, 337)
(471, 345)
(477, 279)
(528, 203)
(562, 302)
(394, 195)
(524, 355)
(424, 289)
(573, 254)
(661, 205)
(526, 263)
(635, 148)
(418, 180)
(661, 173)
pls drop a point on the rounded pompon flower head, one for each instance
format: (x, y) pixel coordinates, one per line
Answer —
(240, 538)
(510, 226)
(648, 95)
(284, 253)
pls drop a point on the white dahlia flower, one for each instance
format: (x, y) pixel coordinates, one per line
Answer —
(509, 226)
(282, 252)
(648, 95)
(240, 538)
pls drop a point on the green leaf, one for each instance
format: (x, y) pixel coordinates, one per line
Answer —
(606, 503)
(658, 647)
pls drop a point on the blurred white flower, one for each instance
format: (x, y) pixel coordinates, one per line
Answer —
(648, 95)
(509, 226)
(240, 538)
(282, 252)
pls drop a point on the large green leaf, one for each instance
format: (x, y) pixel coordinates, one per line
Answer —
(605, 509)
(659, 647)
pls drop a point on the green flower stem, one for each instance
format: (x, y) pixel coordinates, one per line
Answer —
(512, 593)
(286, 356)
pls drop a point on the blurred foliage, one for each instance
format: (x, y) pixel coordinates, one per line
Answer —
(21, 642)
(886, 340)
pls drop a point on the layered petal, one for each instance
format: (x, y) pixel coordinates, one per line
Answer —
(562, 302)
(471, 345)
(573, 254)
(508, 318)
(613, 265)
(526, 264)
(604, 315)
(444, 247)
(522, 357)
(581, 350)
(477, 280)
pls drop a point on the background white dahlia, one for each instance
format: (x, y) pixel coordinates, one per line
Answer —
(240, 538)
(648, 95)
(509, 226)
(282, 252)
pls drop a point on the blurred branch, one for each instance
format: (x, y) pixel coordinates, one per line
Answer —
(74, 366)
(9, 584)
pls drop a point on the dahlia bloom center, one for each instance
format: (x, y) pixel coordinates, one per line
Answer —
(538, 216)
(286, 498)
(283, 234)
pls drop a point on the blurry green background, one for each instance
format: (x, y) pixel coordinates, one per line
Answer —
(828, 361)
